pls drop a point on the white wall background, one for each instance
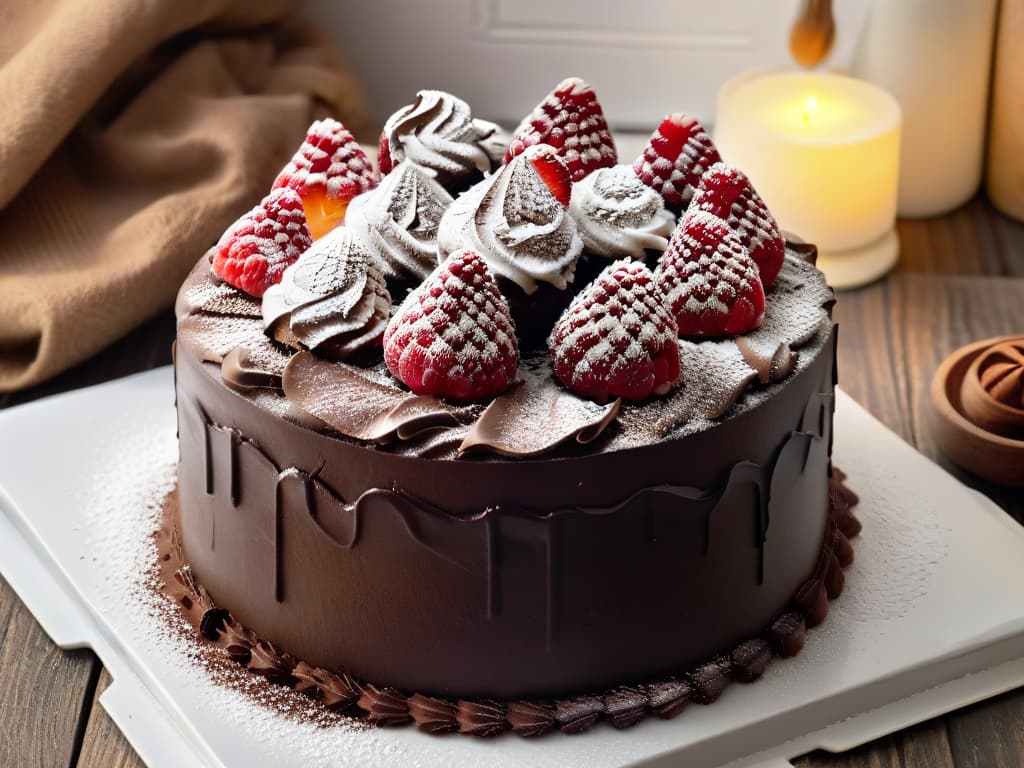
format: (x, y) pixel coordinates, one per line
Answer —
(644, 57)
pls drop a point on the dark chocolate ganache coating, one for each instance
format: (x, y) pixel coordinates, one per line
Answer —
(532, 577)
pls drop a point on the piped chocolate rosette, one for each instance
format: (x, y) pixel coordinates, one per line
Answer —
(398, 222)
(438, 133)
(332, 301)
(518, 221)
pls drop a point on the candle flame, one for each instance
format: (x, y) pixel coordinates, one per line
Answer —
(810, 108)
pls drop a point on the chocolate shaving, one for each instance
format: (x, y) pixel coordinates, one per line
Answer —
(530, 719)
(347, 399)
(625, 706)
(750, 659)
(578, 714)
(433, 715)
(537, 415)
(255, 365)
(481, 718)
(384, 706)
(667, 698)
(205, 293)
(271, 663)
(212, 337)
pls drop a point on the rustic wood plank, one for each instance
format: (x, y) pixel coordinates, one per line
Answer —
(46, 690)
(104, 744)
(989, 734)
(923, 746)
(975, 239)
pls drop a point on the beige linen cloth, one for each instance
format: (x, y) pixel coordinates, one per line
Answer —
(131, 134)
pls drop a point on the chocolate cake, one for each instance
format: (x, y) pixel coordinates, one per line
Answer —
(466, 459)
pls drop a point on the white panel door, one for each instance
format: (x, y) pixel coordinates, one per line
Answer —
(644, 57)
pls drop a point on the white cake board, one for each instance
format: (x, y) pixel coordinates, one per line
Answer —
(932, 617)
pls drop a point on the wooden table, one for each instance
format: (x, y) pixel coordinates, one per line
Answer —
(960, 278)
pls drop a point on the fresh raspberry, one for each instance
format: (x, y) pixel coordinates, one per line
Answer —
(571, 120)
(453, 336)
(328, 170)
(709, 279)
(554, 173)
(255, 251)
(679, 152)
(728, 194)
(617, 338)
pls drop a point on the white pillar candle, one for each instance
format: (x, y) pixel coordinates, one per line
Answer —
(823, 152)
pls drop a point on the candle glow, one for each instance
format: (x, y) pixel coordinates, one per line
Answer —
(822, 150)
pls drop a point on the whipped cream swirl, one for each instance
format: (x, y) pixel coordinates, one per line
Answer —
(333, 300)
(618, 215)
(438, 132)
(398, 221)
(516, 224)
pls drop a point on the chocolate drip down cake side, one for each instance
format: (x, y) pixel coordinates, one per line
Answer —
(503, 434)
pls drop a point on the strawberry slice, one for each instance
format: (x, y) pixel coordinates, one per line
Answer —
(571, 120)
(554, 174)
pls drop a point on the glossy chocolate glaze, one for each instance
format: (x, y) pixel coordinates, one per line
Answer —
(506, 579)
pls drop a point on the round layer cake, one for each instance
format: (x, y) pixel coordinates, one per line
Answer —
(557, 536)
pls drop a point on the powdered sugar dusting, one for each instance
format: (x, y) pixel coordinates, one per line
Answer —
(330, 161)
(213, 336)
(124, 509)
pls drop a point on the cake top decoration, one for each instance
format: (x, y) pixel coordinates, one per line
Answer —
(332, 300)
(727, 193)
(617, 338)
(710, 281)
(255, 251)
(617, 215)
(327, 170)
(571, 120)
(453, 336)
(437, 132)
(517, 221)
(676, 156)
(398, 221)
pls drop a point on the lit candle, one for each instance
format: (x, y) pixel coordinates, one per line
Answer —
(823, 152)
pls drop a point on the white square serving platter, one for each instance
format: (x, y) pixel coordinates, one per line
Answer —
(932, 617)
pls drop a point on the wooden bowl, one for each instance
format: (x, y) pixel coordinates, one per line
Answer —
(996, 458)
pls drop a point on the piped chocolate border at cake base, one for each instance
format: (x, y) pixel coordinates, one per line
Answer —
(621, 706)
